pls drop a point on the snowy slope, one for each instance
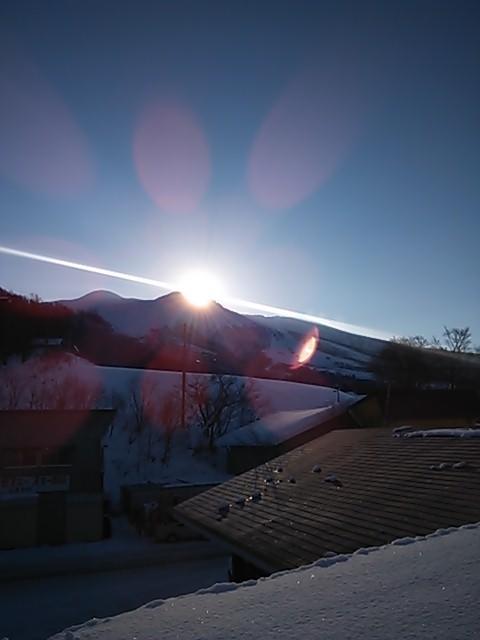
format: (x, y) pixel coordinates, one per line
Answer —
(409, 590)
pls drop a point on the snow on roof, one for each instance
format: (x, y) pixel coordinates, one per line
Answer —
(416, 588)
(278, 427)
(456, 432)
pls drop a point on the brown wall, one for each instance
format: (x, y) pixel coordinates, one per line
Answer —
(84, 518)
(50, 518)
(18, 522)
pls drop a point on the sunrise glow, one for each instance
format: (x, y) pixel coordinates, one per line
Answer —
(200, 288)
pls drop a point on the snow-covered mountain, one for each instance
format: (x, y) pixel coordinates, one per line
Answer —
(136, 318)
(220, 334)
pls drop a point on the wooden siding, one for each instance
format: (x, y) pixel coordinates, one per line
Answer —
(389, 491)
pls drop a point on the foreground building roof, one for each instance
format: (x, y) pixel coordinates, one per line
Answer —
(345, 490)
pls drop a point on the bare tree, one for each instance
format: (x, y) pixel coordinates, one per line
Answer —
(11, 389)
(149, 414)
(458, 340)
(219, 402)
(169, 416)
(137, 413)
(413, 341)
(46, 383)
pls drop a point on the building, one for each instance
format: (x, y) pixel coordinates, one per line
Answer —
(138, 498)
(343, 491)
(277, 433)
(51, 476)
(418, 407)
(431, 407)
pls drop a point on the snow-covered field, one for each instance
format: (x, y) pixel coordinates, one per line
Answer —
(411, 589)
(106, 382)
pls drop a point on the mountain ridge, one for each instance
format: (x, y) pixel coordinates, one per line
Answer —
(220, 330)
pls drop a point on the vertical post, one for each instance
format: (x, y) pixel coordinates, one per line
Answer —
(184, 373)
(387, 405)
(3, 329)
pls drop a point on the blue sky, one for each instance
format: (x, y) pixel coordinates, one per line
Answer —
(319, 156)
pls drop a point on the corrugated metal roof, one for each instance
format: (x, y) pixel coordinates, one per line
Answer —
(343, 491)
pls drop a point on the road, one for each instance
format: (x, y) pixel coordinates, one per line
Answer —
(35, 609)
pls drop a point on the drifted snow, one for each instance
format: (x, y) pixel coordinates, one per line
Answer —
(412, 589)
(456, 432)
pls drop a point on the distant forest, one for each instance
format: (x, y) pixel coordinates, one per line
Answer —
(405, 364)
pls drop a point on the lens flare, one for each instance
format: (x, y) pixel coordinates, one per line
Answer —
(307, 349)
(305, 137)
(172, 157)
(43, 147)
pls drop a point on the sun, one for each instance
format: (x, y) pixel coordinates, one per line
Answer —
(200, 287)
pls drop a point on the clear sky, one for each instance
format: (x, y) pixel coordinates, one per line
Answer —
(319, 156)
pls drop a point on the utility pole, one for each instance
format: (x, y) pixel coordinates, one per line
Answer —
(3, 327)
(387, 405)
(184, 373)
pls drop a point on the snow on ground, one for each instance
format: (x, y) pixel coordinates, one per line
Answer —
(107, 382)
(278, 395)
(455, 432)
(125, 550)
(412, 589)
(275, 428)
(36, 375)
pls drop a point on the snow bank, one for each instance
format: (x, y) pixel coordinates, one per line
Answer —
(413, 588)
(456, 432)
